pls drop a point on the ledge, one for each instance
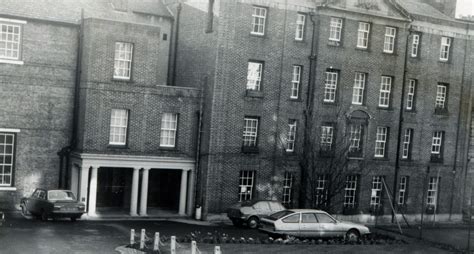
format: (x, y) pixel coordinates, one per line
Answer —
(8, 61)
(7, 188)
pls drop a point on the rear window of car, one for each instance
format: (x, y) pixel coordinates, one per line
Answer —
(295, 218)
(280, 214)
(275, 206)
(324, 218)
(60, 195)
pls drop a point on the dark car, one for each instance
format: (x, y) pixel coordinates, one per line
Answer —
(251, 212)
(52, 204)
(2, 218)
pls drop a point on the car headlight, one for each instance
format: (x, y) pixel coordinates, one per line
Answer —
(57, 207)
(81, 207)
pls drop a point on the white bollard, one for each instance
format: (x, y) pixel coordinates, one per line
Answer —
(193, 247)
(142, 239)
(132, 236)
(173, 245)
(156, 243)
(217, 250)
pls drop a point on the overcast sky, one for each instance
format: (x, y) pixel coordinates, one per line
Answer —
(465, 7)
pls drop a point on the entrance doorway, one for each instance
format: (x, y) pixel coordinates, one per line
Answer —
(163, 189)
(114, 189)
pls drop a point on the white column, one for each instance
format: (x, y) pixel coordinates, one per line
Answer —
(182, 192)
(84, 183)
(93, 192)
(144, 193)
(75, 176)
(190, 204)
(134, 197)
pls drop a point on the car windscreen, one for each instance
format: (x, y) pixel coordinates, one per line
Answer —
(280, 214)
(61, 195)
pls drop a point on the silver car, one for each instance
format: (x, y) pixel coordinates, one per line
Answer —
(251, 212)
(311, 223)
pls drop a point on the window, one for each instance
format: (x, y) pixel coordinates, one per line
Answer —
(246, 183)
(414, 45)
(381, 142)
(295, 82)
(445, 47)
(287, 188)
(335, 29)
(411, 94)
(10, 35)
(437, 145)
(258, 20)
(432, 198)
(118, 127)
(376, 194)
(407, 138)
(300, 22)
(321, 197)
(123, 60)
(389, 42)
(7, 157)
(355, 140)
(324, 218)
(291, 136)
(358, 90)
(350, 191)
(363, 35)
(169, 126)
(250, 131)
(308, 218)
(330, 86)
(441, 92)
(327, 133)
(254, 76)
(385, 88)
(295, 218)
(402, 190)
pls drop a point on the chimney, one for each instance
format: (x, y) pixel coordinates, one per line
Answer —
(119, 5)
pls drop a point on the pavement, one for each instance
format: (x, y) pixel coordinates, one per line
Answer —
(27, 235)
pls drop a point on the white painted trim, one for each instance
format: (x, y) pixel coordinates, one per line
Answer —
(18, 62)
(9, 130)
(13, 21)
(7, 188)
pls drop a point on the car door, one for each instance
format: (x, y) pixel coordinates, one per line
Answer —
(41, 201)
(327, 225)
(309, 226)
(291, 224)
(31, 202)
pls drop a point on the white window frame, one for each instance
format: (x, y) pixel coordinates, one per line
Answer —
(10, 40)
(358, 89)
(287, 188)
(335, 29)
(411, 94)
(381, 142)
(389, 41)
(123, 60)
(118, 127)
(295, 82)
(7, 159)
(291, 136)
(441, 93)
(327, 134)
(402, 190)
(350, 191)
(355, 136)
(321, 191)
(254, 75)
(330, 86)
(259, 16)
(300, 24)
(385, 90)
(363, 33)
(250, 133)
(445, 48)
(376, 193)
(246, 184)
(437, 142)
(432, 196)
(406, 145)
(415, 43)
(169, 128)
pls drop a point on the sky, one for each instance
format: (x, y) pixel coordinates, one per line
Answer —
(465, 7)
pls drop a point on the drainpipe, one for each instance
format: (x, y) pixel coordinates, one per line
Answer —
(198, 199)
(176, 39)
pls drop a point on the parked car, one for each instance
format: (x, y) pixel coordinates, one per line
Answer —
(2, 218)
(310, 223)
(250, 213)
(52, 204)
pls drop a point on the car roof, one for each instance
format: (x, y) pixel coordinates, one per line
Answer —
(306, 210)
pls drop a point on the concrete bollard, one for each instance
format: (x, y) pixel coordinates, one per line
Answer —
(193, 247)
(142, 239)
(173, 245)
(156, 243)
(132, 236)
(217, 250)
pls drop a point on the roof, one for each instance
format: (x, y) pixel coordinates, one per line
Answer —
(381, 8)
(422, 9)
(69, 11)
(306, 210)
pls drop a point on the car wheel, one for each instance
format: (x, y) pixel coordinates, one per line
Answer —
(352, 235)
(252, 222)
(44, 215)
(24, 212)
(73, 219)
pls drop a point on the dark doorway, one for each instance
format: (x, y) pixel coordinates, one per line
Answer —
(114, 188)
(163, 188)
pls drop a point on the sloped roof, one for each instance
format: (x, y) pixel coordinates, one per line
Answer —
(417, 8)
(372, 7)
(70, 10)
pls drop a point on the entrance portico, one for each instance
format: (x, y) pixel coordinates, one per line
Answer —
(86, 169)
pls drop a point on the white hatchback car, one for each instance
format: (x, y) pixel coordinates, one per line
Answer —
(310, 223)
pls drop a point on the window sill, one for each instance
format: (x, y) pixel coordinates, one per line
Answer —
(257, 34)
(389, 53)
(362, 49)
(9, 61)
(444, 61)
(168, 148)
(122, 80)
(334, 43)
(7, 188)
